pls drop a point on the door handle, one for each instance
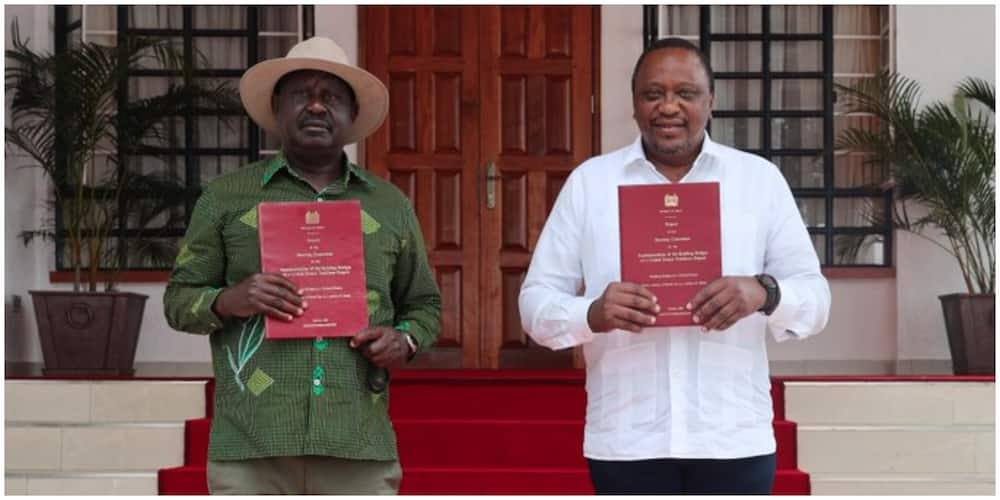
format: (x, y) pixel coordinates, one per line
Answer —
(491, 188)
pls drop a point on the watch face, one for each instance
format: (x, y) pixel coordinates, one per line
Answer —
(767, 281)
(771, 287)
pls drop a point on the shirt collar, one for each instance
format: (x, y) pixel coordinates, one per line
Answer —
(709, 149)
(279, 162)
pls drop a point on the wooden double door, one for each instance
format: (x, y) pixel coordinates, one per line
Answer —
(490, 109)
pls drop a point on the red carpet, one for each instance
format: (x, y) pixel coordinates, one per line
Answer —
(487, 432)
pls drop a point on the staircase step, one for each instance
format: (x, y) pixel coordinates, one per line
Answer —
(904, 484)
(460, 433)
(486, 394)
(74, 483)
(786, 436)
(891, 403)
(513, 481)
(525, 481)
(93, 447)
(897, 449)
(490, 443)
(190, 480)
(486, 400)
(196, 434)
(790, 482)
(84, 401)
(444, 443)
(183, 480)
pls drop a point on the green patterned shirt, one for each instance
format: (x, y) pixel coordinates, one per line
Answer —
(298, 396)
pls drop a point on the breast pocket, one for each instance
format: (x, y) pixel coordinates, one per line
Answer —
(724, 380)
(624, 394)
(240, 238)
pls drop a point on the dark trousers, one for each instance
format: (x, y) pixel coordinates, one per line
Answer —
(740, 476)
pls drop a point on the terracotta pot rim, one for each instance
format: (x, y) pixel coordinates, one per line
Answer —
(971, 295)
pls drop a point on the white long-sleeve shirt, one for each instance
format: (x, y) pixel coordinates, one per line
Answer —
(674, 391)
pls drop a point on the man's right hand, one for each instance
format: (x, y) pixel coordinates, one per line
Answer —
(626, 306)
(267, 293)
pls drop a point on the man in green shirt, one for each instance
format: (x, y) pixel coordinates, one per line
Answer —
(303, 416)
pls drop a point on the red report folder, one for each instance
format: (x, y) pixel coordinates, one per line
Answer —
(318, 246)
(670, 242)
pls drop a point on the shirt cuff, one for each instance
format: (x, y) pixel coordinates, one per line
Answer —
(205, 312)
(782, 319)
(578, 330)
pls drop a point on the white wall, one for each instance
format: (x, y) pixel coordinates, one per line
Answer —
(621, 45)
(860, 337)
(25, 267)
(938, 47)
(863, 335)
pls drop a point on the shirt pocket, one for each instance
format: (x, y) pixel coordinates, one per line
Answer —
(241, 241)
(624, 396)
(381, 251)
(724, 381)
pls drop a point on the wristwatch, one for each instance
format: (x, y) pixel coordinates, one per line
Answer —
(773, 293)
(412, 343)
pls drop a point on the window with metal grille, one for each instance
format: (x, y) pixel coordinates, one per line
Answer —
(775, 68)
(218, 43)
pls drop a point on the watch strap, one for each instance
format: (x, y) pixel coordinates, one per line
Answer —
(773, 293)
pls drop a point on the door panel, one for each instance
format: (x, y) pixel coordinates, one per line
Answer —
(429, 148)
(470, 87)
(536, 85)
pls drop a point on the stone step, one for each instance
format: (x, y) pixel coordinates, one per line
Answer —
(967, 449)
(85, 401)
(80, 483)
(890, 403)
(903, 484)
(141, 447)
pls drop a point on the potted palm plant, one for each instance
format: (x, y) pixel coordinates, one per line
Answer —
(66, 115)
(941, 156)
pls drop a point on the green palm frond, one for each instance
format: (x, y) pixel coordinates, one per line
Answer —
(65, 106)
(979, 90)
(941, 155)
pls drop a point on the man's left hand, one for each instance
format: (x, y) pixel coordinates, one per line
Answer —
(384, 346)
(727, 300)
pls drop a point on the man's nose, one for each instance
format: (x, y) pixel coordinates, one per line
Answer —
(315, 106)
(669, 105)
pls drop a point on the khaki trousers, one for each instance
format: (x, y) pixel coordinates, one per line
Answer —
(306, 475)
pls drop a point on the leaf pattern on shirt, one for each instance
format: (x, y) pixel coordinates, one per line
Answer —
(250, 218)
(251, 337)
(368, 223)
(374, 301)
(184, 255)
(259, 381)
(198, 302)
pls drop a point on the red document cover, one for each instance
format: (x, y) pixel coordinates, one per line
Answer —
(318, 245)
(671, 242)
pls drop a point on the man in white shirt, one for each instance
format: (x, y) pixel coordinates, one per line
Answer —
(676, 409)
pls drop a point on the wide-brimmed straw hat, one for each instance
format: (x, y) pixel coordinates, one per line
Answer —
(322, 54)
